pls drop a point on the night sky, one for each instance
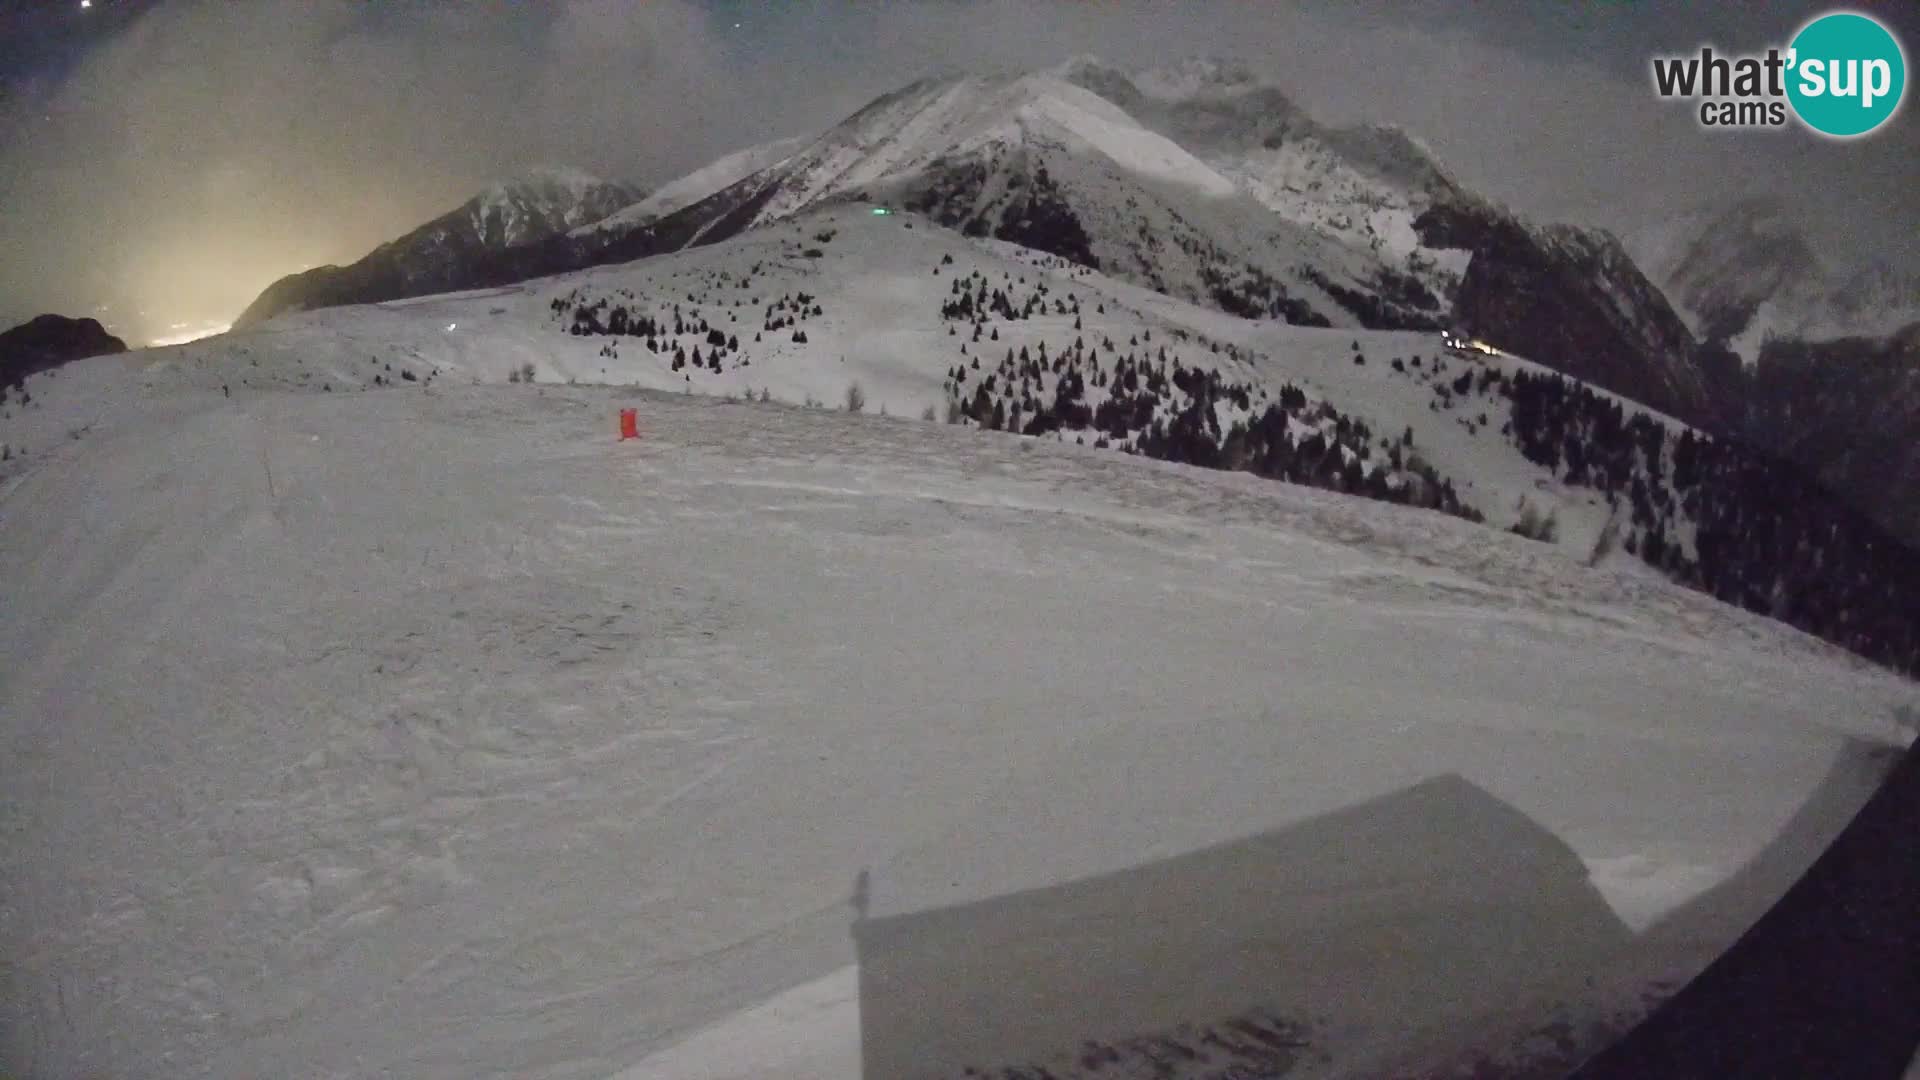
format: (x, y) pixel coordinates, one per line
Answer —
(175, 156)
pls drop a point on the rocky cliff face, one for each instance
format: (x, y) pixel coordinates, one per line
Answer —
(1573, 298)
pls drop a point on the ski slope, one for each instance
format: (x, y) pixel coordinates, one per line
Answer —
(1493, 474)
(436, 733)
(880, 282)
(424, 729)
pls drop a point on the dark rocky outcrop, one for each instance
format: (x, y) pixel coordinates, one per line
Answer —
(48, 341)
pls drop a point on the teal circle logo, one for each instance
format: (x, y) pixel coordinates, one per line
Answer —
(1846, 74)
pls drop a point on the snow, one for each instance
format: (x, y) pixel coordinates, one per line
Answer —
(880, 328)
(1489, 471)
(876, 283)
(1332, 205)
(1111, 132)
(474, 713)
(1306, 181)
(575, 181)
(812, 1030)
(1193, 77)
(1765, 325)
(548, 197)
(691, 188)
(956, 118)
(432, 731)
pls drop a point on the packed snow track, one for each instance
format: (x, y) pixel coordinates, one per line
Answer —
(438, 734)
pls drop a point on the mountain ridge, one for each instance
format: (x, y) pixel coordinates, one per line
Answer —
(1198, 180)
(1816, 363)
(438, 256)
(1746, 271)
(1344, 218)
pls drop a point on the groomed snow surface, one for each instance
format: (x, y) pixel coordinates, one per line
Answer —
(432, 732)
(441, 735)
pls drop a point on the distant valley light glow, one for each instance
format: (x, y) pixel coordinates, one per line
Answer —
(181, 333)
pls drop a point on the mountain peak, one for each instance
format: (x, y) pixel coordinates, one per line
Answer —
(1393, 153)
(542, 201)
(1082, 65)
(1198, 77)
(716, 176)
(547, 182)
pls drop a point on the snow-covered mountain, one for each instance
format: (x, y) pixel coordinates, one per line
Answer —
(1556, 291)
(1820, 364)
(1363, 184)
(538, 205)
(1043, 161)
(1070, 161)
(1721, 264)
(1209, 185)
(445, 253)
(1745, 272)
(691, 188)
(1200, 181)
